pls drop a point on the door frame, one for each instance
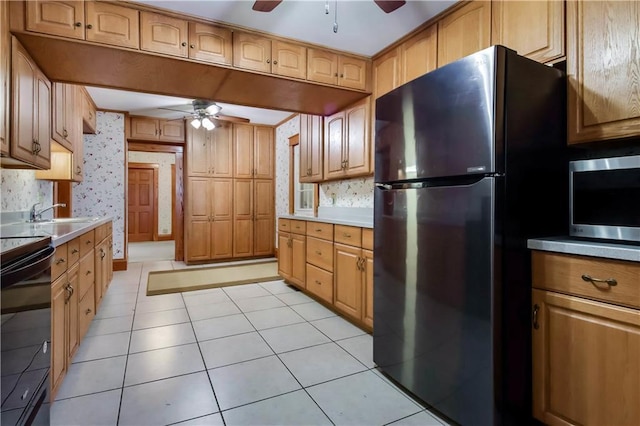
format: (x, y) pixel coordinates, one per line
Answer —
(154, 167)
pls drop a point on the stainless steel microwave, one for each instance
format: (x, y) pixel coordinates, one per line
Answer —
(605, 198)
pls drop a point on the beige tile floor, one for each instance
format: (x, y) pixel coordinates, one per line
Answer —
(257, 354)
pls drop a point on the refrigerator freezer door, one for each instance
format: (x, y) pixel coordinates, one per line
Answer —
(433, 295)
(443, 123)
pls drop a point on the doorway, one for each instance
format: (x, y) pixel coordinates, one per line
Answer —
(143, 202)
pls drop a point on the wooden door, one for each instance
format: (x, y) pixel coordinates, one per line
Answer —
(5, 73)
(352, 72)
(419, 54)
(284, 255)
(59, 296)
(144, 128)
(221, 157)
(23, 104)
(243, 151)
(602, 70)
(198, 219)
(62, 18)
(209, 43)
(251, 52)
(171, 130)
(64, 109)
(586, 361)
(263, 153)
(73, 318)
(222, 218)
(357, 139)
(367, 294)
(110, 23)
(289, 59)
(463, 32)
(263, 228)
(311, 143)
(322, 66)
(348, 280)
(334, 134)
(386, 72)
(243, 217)
(198, 152)
(298, 260)
(42, 123)
(534, 29)
(142, 203)
(163, 34)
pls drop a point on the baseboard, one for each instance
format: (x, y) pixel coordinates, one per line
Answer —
(165, 237)
(119, 264)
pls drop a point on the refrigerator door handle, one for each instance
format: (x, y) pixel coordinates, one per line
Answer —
(384, 186)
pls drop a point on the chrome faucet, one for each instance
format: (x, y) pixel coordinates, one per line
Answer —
(36, 216)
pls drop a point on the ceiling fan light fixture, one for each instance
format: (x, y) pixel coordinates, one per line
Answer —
(213, 109)
(208, 124)
(195, 123)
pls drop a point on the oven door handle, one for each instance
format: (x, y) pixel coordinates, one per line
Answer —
(40, 264)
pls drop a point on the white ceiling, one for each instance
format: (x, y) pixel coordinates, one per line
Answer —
(362, 28)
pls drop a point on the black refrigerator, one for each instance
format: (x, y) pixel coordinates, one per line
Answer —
(470, 162)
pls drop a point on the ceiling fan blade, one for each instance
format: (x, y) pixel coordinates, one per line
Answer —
(231, 118)
(180, 108)
(389, 5)
(265, 5)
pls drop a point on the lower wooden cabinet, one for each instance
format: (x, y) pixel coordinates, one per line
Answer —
(348, 280)
(284, 255)
(367, 297)
(320, 283)
(291, 259)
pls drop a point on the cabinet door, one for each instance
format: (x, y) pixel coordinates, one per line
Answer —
(109, 23)
(163, 34)
(144, 128)
(357, 139)
(198, 148)
(102, 252)
(586, 361)
(386, 73)
(209, 43)
(222, 218)
(602, 70)
(63, 110)
(62, 18)
(263, 232)
(334, 133)
(98, 285)
(23, 104)
(463, 32)
(73, 329)
(58, 331)
(367, 296)
(171, 130)
(263, 152)
(42, 123)
(77, 165)
(322, 66)
(289, 59)
(243, 218)
(251, 52)
(352, 72)
(5, 72)
(221, 152)
(198, 218)
(311, 143)
(284, 255)
(243, 151)
(197, 240)
(419, 54)
(347, 280)
(88, 113)
(298, 264)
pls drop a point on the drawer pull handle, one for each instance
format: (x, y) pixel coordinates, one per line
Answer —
(88, 273)
(536, 309)
(59, 261)
(609, 281)
(318, 282)
(319, 230)
(87, 312)
(74, 251)
(346, 235)
(318, 252)
(88, 242)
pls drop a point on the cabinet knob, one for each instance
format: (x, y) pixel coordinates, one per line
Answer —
(88, 242)
(193, 46)
(78, 24)
(268, 61)
(89, 26)
(341, 75)
(183, 44)
(275, 62)
(88, 273)
(59, 261)
(78, 170)
(64, 132)
(336, 75)
(88, 311)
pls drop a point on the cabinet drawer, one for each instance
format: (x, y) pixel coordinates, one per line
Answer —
(73, 251)
(60, 262)
(298, 226)
(101, 232)
(320, 253)
(87, 241)
(87, 310)
(284, 225)
(351, 235)
(320, 230)
(367, 238)
(564, 273)
(87, 274)
(320, 283)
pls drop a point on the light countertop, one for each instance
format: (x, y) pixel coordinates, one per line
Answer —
(336, 221)
(570, 245)
(60, 232)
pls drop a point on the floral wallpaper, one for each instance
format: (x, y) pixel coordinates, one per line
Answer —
(102, 192)
(347, 193)
(283, 133)
(164, 162)
(20, 190)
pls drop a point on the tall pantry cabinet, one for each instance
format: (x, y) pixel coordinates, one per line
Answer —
(229, 192)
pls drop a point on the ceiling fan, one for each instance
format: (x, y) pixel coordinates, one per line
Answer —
(206, 114)
(268, 5)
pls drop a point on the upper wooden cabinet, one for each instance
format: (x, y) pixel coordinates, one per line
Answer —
(110, 23)
(330, 68)
(419, 54)
(386, 72)
(347, 142)
(253, 151)
(289, 59)
(271, 56)
(148, 128)
(88, 112)
(163, 34)
(465, 31)
(5, 72)
(210, 43)
(63, 18)
(534, 29)
(602, 68)
(209, 153)
(66, 128)
(311, 132)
